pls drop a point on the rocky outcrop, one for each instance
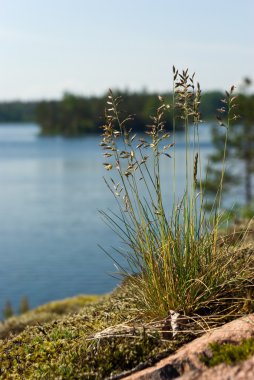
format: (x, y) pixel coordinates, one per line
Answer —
(185, 364)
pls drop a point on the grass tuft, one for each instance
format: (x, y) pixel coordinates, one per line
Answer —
(174, 259)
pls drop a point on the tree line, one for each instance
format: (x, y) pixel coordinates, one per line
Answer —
(17, 111)
(75, 115)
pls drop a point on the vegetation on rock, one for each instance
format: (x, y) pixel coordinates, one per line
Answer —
(106, 337)
(228, 353)
(173, 254)
(45, 313)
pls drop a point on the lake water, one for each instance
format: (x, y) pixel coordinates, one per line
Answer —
(50, 192)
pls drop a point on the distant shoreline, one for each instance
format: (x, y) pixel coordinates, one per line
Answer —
(77, 116)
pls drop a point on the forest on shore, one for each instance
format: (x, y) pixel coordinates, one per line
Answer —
(75, 115)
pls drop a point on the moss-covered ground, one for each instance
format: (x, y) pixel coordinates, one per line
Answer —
(45, 313)
(102, 339)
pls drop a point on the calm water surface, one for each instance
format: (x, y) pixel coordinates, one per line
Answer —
(50, 192)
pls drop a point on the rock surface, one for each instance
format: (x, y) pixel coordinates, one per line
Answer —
(186, 365)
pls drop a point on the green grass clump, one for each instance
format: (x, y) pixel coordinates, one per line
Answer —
(171, 244)
(229, 353)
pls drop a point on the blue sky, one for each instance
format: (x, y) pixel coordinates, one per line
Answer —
(87, 46)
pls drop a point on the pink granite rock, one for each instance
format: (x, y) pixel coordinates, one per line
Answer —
(185, 363)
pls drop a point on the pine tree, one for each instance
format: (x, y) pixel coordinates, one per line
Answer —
(24, 305)
(240, 148)
(8, 310)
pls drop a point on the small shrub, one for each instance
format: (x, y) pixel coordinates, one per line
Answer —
(8, 310)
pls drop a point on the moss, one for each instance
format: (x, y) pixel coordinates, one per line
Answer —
(46, 313)
(229, 353)
(68, 305)
(68, 348)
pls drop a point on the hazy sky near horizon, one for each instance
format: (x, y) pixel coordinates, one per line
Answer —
(86, 46)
